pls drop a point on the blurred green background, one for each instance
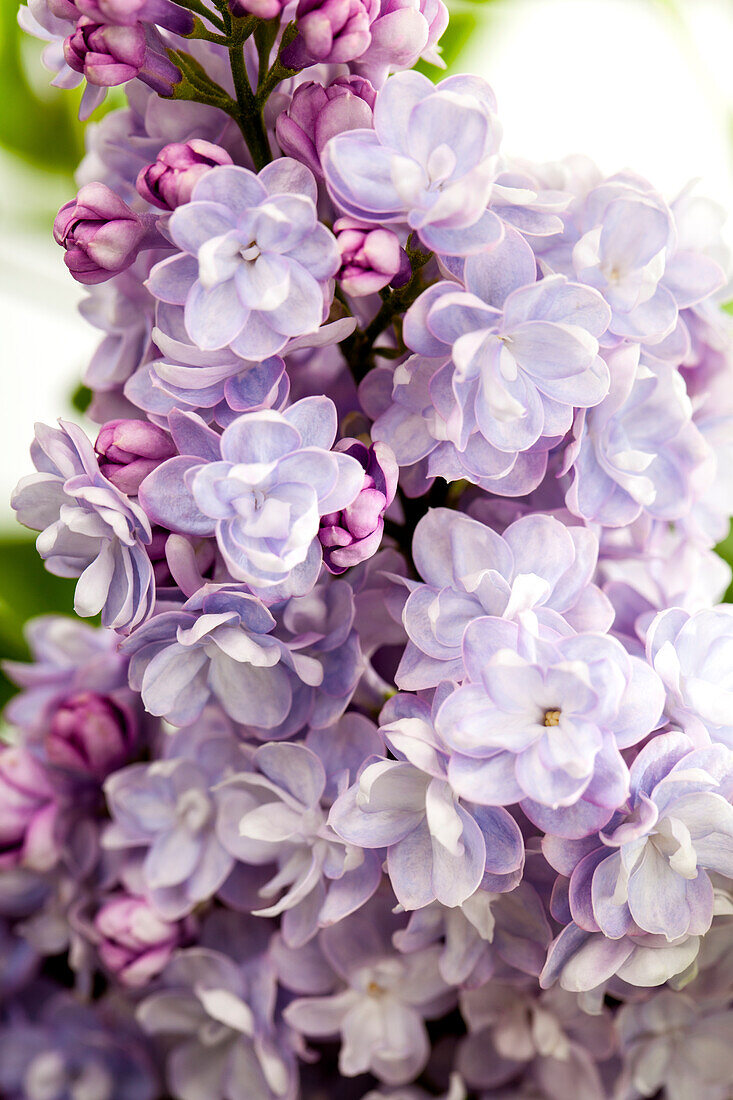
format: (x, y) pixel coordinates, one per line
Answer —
(42, 142)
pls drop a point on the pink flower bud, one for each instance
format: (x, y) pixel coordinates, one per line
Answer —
(91, 734)
(28, 811)
(136, 943)
(101, 234)
(370, 257)
(316, 114)
(107, 54)
(129, 450)
(169, 182)
(334, 31)
(264, 9)
(354, 534)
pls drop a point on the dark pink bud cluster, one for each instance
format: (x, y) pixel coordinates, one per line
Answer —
(170, 180)
(354, 534)
(129, 450)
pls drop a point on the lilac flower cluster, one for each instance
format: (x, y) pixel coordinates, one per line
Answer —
(404, 750)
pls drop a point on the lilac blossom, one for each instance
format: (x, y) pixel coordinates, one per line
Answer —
(693, 654)
(331, 31)
(53, 23)
(219, 644)
(430, 161)
(490, 934)
(168, 810)
(551, 1038)
(135, 943)
(89, 529)
(101, 234)
(91, 735)
(129, 450)
(170, 180)
(403, 32)
(317, 112)
(376, 999)
(255, 262)
(656, 1059)
(437, 848)
(260, 489)
(500, 370)
(542, 720)
(470, 572)
(678, 828)
(219, 1011)
(108, 55)
(274, 815)
(62, 1048)
(123, 310)
(354, 533)
(370, 257)
(639, 450)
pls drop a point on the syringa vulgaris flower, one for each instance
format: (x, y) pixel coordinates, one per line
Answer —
(469, 572)
(693, 654)
(89, 529)
(542, 720)
(651, 873)
(367, 994)
(437, 848)
(261, 489)
(639, 451)
(501, 367)
(255, 262)
(430, 161)
(276, 815)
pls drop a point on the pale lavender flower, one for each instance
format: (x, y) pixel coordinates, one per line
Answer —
(29, 810)
(66, 1049)
(430, 161)
(674, 1044)
(168, 810)
(488, 935)
(678, 829)
(470, 572)
(639, 450)
(136, 942)
(693, 654)
(275, 815)
(69, 658)
(170, 180)
(316, 113)
(89, 529)
(542, 720)
(129, 450)
(582, 961)
(354, 533)
(437, 848)
(261, 489)
(550, 1037)
(219, 643)
(255, 261)
(371, 257)
(219, 1011)
(376, 998)
(101, 234)
(504, 365)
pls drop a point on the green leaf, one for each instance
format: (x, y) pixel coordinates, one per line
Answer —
(81, 398)
(725, 549)
(26, 590)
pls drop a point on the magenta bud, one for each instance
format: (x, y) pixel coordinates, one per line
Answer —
(28, 811)
(264, 9)
(316, 114)
(91, 734)
(107, 54)
(129, 450)
(333, 31)
(354, 534)
(101, 234)
(170, 180)
(136, 942)
(370, 256)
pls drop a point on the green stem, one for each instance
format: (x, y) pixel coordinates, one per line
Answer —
(199, 8)
(249, 115)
